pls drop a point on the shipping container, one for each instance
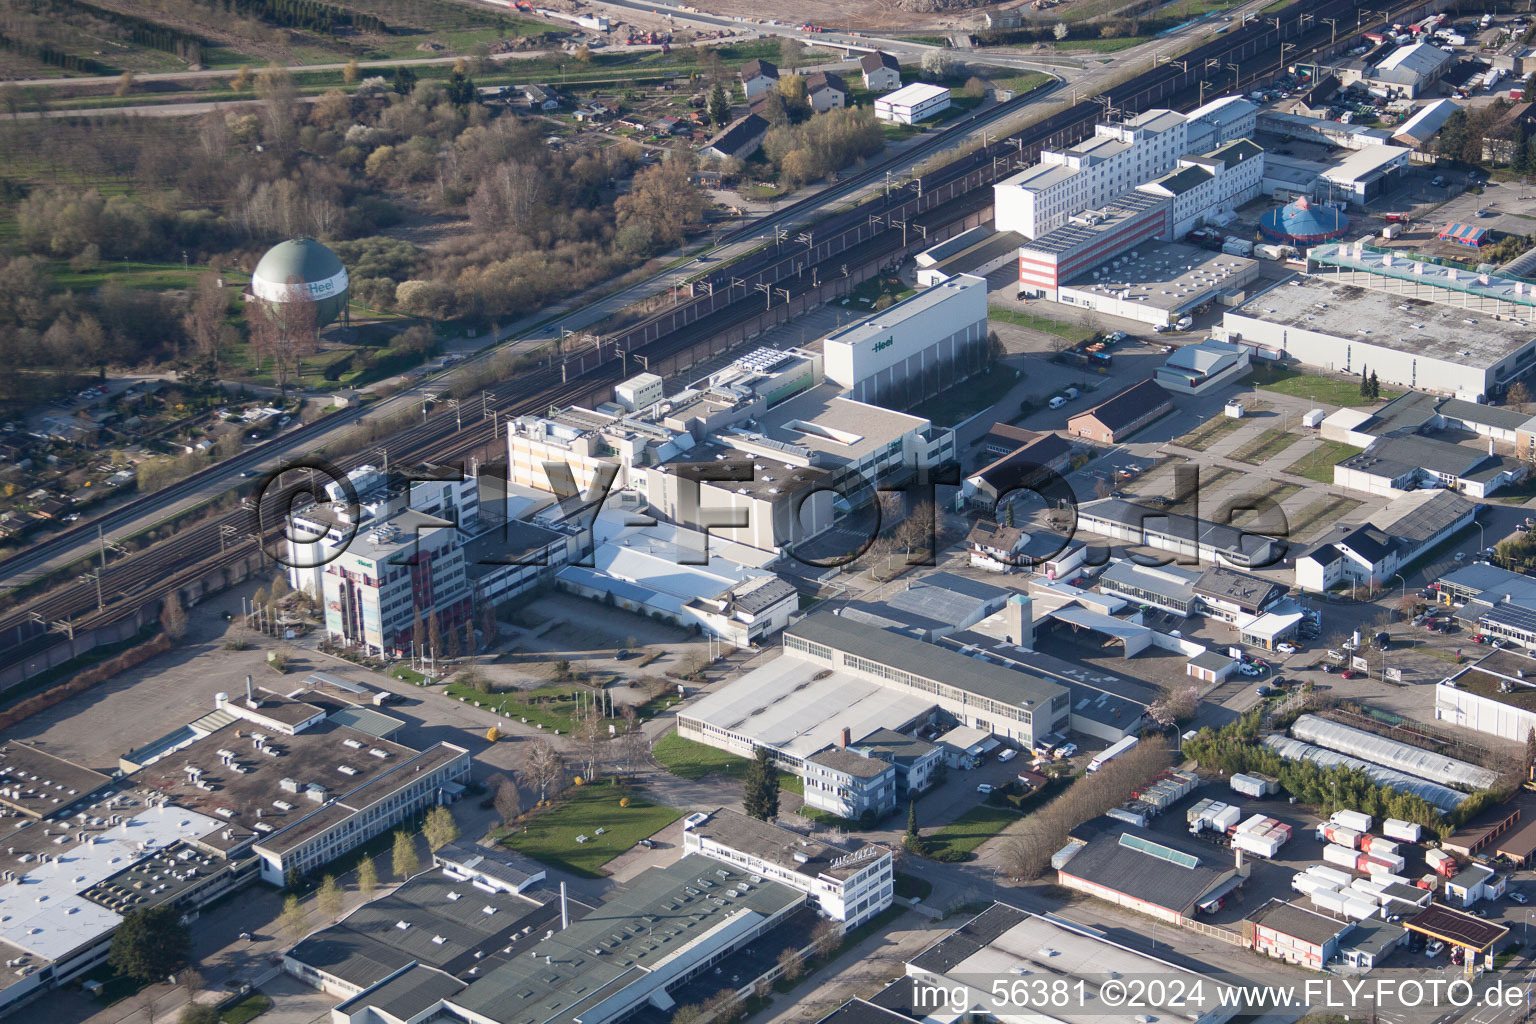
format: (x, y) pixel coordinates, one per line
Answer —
(1228, 817)
(1113, 752)
(1334, 875)
(1332, 902)
(1377, 846)
(1200, 810)
(1256, 786)
(1341, 856)
(1060, 857)
(1329, 832)
(1260, 845)
(1393, 862)
(1314, 419)
(1133, 817)
(1388, 878)
(1353, 819)
(1308, 884)
(1359, 909)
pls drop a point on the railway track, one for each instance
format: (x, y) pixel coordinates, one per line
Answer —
(722, 299)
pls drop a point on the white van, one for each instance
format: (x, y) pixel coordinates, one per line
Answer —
(1057, 402)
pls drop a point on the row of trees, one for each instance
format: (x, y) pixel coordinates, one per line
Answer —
(1027, 851)
(812, 151)
(1370, 387)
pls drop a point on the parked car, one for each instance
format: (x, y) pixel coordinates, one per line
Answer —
(1287, 648)
(1264, 691)
(1438, 181)
(1007, 755)
(1350, 673)
(1068, 750)
(983, 788)
(1518, 897)
(1057, 402)
(1434, 948)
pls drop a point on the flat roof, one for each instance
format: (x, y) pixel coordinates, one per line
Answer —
(1165, 275)
(1396, 322)
(1038, 177)
(719, 464)
(681, 911)
(1455, 926)
(1083, 228)
(39, 784)
(783, 704)
(1241, 588)
(1168, 581)
(498, 862)
(912, 95)
(409, 993)
(1160, 523)
(1156, 868)
(850, 763)
(445, 925)
(1389, 263)
(1298, 922)
(882, 321)
(1365, 164)
(781, 846)
(925, 660)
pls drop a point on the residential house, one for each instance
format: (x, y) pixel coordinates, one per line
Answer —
(539, 97)
(915, 759)
(757, 77)
(738, 140)
(825, 91)
(1119, 417)
(882, 72)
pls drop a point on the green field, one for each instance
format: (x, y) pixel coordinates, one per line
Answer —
(1061, 328)
(247, 1009)
(967, 398)
(689, 759)
(970, 830)
(1328, 390)
(553, 707)
(550, 835)
(1319, 462)
(1101, 45)
(133, 274)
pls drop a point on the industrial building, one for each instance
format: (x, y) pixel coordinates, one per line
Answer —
(1340, 323)
(1495, 695)
(1369, 555)
(1090, 238)
(1394, 465)
(1007, 943)
(1291, 933)
(1416, 132)
(1115, 160)
(1202, 367)
(1163, 876)
(1403, 757)
(912, 103)
(1413, 68)
(1219, 121)
(1158, 283)
(1118, 417)
(1365, 175)
(1210, 187)
(1195, 539)
(849, 885)
(633, 951)
(914, 349)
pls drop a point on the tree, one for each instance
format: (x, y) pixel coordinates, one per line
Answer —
(826, 939)
(1530, 750)
(284, 332)
(796, 95)
(435, 635)
(1517, 396)
(1375, 386)
(508, 801)
(469, 646)
(367, 879)
(461, 90)
(451, 645)
(940, 65)
(488, 625)
(791, 964)
(1060, 31)
(173, 617)
(405, 81)
(242, 79)
(591, 732)
(149, 944)
(760, 791)
(440, 828)
(693, 1013)
(493, 735)
(545, 767)
(328, 898)
(1365, 384)
(149, 1002)
(665, 199)
(125, 84)
(1175, 706)
(191, 981)
(719, 106)
(349, 74)
(912, 832)
(294, 920)
(419, 636)
(403, 857)
(205, 320)
(790, 51)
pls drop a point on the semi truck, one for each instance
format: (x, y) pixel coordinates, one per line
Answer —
(1114, 751)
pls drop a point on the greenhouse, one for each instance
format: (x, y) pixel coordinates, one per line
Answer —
(1403, 757)
(1295, 750)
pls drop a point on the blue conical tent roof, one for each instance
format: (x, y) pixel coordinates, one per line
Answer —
(1301, 222)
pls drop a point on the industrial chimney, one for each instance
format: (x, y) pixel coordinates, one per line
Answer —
(250, 695)
(845, 738)
(1019, 620)
(565, 910)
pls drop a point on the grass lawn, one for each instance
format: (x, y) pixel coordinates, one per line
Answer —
(967, 398)
(550, 835)
(971, 829)
(1100, 45)
(408, 675)
(1268, 444)
(1208, 433)
(1022, 83)
(249, 1008)
(553, 707)
(1061, 328)
(1329, 390)
(689, 759)
(1319, 462)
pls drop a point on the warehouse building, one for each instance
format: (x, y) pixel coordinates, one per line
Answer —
(1116, 418)
(1365, 175)
(1003, 942)
(1414, 68)
(1416, 132)
(1042, 198)
(1194, 539)
(1336, 324)
(912, 103)
(849, 885)
(913, 349)
(1394, 465)
(1163, 876)
(1157, 283)
(1495, 695)
(1299, 936)
(1408, 526)
(1202, 367)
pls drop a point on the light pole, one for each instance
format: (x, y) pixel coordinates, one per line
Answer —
(1402, 598)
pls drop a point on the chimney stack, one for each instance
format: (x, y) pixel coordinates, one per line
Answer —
(565, 911)
(845, 739)
(250, 694)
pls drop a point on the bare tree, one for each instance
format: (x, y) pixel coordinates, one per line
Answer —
(149, 1002)
(1518, 396)
(545, 767)
(285, 332)
(592, 732)
(634, 744)
(508, 801)
(826, 939)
